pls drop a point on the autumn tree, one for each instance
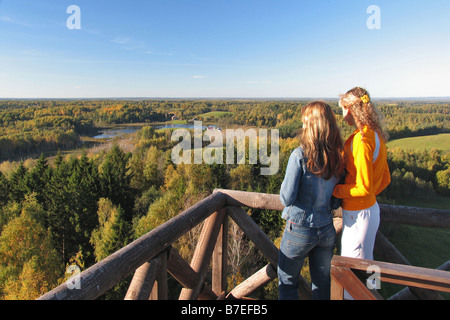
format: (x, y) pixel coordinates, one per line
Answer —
(29, 267)
(153, 166)
(112, 232)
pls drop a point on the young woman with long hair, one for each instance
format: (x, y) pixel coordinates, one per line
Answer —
(367, 174)
(312, 172)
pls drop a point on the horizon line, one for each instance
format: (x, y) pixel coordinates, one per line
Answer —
(223, 98)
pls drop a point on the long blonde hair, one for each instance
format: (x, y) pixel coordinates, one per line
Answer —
(364, 112)
(321, 140)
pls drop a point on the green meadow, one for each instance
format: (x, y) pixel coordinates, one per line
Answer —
(215, 114)
(424, 247)
(438, 141)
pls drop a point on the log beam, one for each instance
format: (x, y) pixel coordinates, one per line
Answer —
(256, 281)
(142, 283)
(186, 276)
(220, 260)
(203, 252)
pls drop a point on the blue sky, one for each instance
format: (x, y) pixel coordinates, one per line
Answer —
(223, 48)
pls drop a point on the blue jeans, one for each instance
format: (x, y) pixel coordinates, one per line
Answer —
(298, 243)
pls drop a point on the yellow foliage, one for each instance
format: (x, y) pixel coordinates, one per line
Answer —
(28, 261)
(31, 284)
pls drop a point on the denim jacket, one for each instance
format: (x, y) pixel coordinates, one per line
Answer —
(305, 196)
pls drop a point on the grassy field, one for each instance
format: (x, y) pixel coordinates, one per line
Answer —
(215, 114)
(423, 247)
(439, 141)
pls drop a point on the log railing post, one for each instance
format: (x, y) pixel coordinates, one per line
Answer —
(142, 283)
(186, 276)
(336, 289)
(219, 260)
(256, 281)
(159, 291)
(348, 280)
(203, 252)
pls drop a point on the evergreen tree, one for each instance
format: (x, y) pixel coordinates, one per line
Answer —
(38, 178)
(84, 185)
(219, 176)
(18, 185)
(61, 215)
(4, 189)
(115, 178)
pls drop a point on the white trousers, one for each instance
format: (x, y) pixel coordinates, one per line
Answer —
(358, 234)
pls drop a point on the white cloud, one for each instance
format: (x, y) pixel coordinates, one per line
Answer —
(199, 77)
(121, 40)
(10, 20)
(6, 19)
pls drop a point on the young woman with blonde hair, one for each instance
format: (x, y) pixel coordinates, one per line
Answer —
(311, 175)
(367, 174)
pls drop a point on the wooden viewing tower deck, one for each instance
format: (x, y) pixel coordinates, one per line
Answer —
(151, 256)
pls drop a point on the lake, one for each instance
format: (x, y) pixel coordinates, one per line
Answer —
(113, 133)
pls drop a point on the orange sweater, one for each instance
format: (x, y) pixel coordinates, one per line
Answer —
(364, 178)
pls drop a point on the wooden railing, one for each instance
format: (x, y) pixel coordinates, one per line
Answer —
(152, 256)
(343, 277)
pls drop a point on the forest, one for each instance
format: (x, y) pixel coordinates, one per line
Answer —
(63, 204)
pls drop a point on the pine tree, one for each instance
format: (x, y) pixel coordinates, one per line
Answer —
(85, 186)
(4, 189)
(115, 178)
(38, 178)
(18, 186)
(61, 216)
